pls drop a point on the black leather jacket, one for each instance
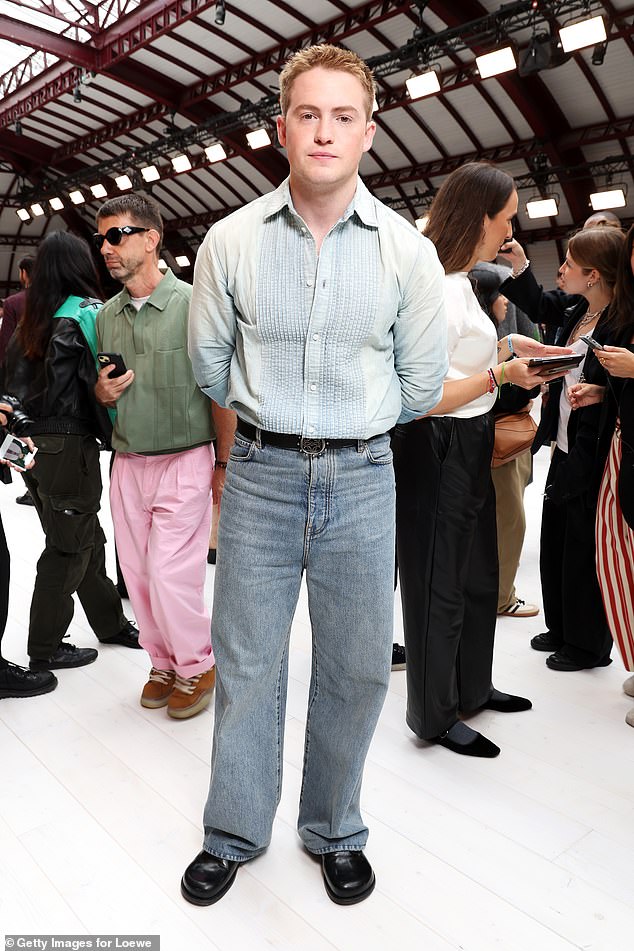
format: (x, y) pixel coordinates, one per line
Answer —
(57, 391)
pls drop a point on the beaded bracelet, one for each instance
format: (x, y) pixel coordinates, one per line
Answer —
(220, 465)
(523, 268)
(509, 343)
(493, 383)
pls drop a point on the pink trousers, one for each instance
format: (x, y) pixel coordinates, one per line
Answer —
(161, 510)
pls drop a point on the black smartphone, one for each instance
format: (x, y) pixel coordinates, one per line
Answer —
(592, 343)
(107, 358)
(552, 364)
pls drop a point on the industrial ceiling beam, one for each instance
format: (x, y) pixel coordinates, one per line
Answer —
(134, 32)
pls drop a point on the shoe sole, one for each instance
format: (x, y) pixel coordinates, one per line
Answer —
(153, 704)
(354, 899)
(518, 613)
(194, 900)
(569, 669)
(18, 694)
(84, 663)
(185, 712)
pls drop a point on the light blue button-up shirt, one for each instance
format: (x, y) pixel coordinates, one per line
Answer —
(340, 344)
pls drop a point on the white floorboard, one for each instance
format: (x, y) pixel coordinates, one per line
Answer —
(101, 806)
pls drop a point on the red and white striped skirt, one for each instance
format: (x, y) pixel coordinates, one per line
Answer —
(615, 558)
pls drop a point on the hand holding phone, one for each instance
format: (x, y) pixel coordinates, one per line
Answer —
(119, 367)
(550, 365)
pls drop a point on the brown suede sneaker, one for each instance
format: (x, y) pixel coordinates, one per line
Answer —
(192, 695)
(158, 688)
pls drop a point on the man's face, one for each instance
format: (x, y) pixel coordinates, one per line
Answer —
(135, 252)
(325, 131)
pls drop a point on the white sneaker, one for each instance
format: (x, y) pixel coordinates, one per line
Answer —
(628, 686)
(520, 609)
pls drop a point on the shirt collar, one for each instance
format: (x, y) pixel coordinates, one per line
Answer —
(363, 204)
(159, 297)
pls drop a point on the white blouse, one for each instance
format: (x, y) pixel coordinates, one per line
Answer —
(471, 341)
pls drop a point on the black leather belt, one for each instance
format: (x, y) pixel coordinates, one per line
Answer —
(307, 444)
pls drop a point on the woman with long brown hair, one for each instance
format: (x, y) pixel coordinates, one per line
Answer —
(445, 502)
(577, 635)
(51, 369)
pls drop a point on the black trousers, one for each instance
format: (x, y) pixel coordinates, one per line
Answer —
(66, 487)
(5, 570)
(573, 606)
(447, 559)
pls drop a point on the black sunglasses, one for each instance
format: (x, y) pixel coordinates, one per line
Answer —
(115, 235)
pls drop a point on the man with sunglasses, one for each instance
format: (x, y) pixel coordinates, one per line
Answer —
(163, 474)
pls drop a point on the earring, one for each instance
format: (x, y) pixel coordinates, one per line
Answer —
(590, 284)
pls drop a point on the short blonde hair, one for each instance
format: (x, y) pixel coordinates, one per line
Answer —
(327, 56)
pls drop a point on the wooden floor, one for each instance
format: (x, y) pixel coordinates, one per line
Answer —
(101, 804)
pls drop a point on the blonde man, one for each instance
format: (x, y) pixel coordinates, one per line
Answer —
(317, 315)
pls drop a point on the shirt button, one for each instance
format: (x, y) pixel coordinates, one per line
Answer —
(311, 429)
(315, 336)
(309, 283)
(313, 386)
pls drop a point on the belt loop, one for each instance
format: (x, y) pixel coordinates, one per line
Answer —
(361, 444)
(258, 437)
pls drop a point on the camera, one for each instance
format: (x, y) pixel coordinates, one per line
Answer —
(18, 423)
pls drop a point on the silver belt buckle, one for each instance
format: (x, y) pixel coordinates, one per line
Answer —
(312, 447)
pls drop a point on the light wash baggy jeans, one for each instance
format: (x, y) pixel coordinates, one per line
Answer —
(284, 512)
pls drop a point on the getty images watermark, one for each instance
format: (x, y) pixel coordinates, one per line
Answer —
(83, 942)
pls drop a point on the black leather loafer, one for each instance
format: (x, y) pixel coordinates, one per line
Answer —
(546, 642)
(561, 661)
(207, 879)
(348, 876)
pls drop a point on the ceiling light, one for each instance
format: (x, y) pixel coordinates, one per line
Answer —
(425, 84)
(36, 210)
(182, 260)
(162, 265)
(56, 204)
(23, 214)
(542, 208)
(123, 182)
(98, 191)
(586, 33)
(615, 198)
(499, 61)
(150, 173)
(181, 163)
(221, 12)
(215, 153)
(258, 139)
(421, 223)
(76, 197)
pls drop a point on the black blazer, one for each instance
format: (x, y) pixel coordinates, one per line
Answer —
(588, 440)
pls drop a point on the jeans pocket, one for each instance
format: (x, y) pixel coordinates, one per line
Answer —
(379, 452)
(242, 449)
